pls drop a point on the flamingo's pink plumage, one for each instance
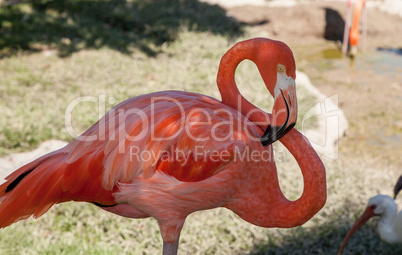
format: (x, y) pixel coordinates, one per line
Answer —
(354, 30)
(168, 154)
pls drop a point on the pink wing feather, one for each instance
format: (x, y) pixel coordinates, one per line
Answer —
(113, 151)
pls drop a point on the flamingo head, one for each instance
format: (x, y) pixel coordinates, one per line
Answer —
(277, 66)
(377, 206)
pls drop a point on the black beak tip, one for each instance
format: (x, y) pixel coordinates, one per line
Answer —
(275, 133)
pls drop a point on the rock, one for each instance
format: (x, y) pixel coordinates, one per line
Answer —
(332, 123)
(392, 7)
(14, 161)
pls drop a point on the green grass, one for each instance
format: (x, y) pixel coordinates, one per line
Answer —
(78, 228)
(34, 83)
(36, 89)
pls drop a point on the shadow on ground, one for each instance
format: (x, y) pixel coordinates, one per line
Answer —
(334, 25)
(326, 238)
(72, 25)
(397, 51)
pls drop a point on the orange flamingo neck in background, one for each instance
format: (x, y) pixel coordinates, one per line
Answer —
(354, 31)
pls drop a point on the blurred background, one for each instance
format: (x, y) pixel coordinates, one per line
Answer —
(53, 52)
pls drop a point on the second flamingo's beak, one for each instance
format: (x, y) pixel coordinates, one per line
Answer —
(284, 112)
(367, 214)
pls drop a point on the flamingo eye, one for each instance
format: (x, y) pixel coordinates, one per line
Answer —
(280, 68)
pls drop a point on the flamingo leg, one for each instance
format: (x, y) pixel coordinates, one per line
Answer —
(170, 248)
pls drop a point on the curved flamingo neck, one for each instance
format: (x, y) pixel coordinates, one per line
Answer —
(354, 31)
(314, 193)
(227, 85)
(266, 206)
(262, 202)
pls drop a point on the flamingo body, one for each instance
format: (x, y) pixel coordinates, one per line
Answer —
(354, 34)
(171, 153)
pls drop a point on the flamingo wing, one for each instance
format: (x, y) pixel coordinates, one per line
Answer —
(179, 133)
(35, 187)
(184, 135)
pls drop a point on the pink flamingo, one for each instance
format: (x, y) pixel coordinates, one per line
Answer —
(354, 35)
(108, 165)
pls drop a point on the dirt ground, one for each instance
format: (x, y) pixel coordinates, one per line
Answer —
(369, 88)
(305, 23)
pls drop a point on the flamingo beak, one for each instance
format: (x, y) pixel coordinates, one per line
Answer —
(367, 214)
(284, 112)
